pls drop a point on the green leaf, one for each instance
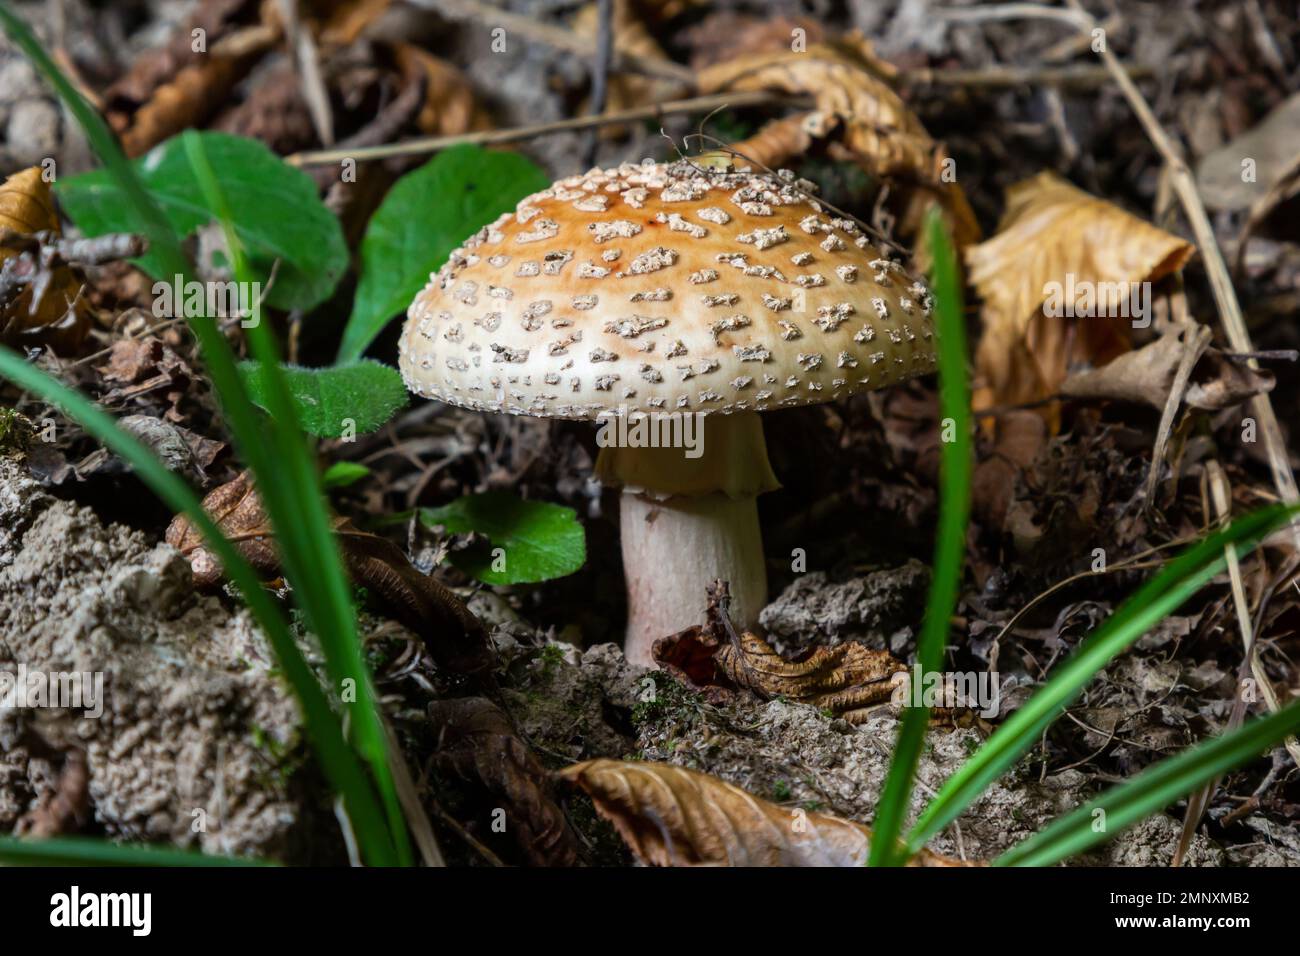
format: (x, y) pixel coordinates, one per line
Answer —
(540, 540)
(427, 214)
(949, 546)
(1151, 791)
(274, 207)
(83, 851)
(366, 394)
(341, 474)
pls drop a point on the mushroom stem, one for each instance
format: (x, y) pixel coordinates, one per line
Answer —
(672, 549)
(689, 515)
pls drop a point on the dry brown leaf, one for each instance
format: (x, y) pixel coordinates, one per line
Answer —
(1146, 376)
(1052, 229)
(849, 680)
(146, 367)
(671, 816)
(477, 743)
(1053, 232)
(665, 11)
(1270, 144)
(193, 93)
(780, 140)
(449, 107)
(626, 90)
(1021, 435)
(174, 86)
(1273, 213)
(727, 34)
(237, 511)
(453, 635)
(854, 98)
(877, 124)
(27, 204)
(48, 308)
(346, 22)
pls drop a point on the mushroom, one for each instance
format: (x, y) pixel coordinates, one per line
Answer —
(670, 297)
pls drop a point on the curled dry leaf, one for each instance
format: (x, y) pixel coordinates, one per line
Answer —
(1272, 214)
(26, 203)
(854, 99)
(454, 636)
(849, 680)
(181, 450)
(671, 816)
(176, 85)
(626, 90)
(728, 34)
(449, 106)
(477, 743)
(781, 139)
(1270, 144)
(1051, 233)
(1146, 376)
(345, 23)
(146, 368)
(40, 297)
(237, 511)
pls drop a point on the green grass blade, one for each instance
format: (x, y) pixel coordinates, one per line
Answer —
(152, 222)
(246, 424)
(1156, 599)
(323, 728)
(1151, 791)
(950, 543)
(308, 548)
(84, 851)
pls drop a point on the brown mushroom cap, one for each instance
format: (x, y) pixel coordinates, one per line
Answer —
(657, 288)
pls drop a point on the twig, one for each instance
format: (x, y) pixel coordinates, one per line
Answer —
(1076, 43)
(1000, 77)
(989, 79)
(56, 250)
(600, 69)
(1133, 562)
(246, 41)
(310, 78)
(431, 144)
(1272, 355)
(1220, 498)
(1009, 11)
(473, 842)
(557, 37)
(408, 797)
(1214, 505)
(1263, 38)
(1194, 345)
(1219, 492)
(1225, 295)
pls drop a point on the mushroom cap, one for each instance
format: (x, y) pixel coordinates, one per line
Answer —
(653, 288)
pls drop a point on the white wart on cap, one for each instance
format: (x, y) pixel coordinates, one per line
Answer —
(657, 288)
